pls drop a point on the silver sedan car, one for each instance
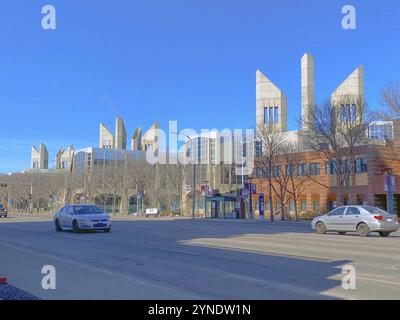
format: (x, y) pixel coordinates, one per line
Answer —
(362, 219)
(82, 217)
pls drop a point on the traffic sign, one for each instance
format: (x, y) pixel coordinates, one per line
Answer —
(188, 188)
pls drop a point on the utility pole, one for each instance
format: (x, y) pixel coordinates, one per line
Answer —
(194, 176)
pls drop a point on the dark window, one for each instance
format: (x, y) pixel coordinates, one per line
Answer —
(361, 165)
(315, 169)
(302, 169)
(290, 170)
(276, 172)
(337, 212)
(353, 211)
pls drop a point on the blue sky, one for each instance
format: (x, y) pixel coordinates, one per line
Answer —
(189, 60)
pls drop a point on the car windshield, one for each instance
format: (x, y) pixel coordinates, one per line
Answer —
(87, 210)
(374, 210)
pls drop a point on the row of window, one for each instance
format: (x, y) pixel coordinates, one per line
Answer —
(271, 115)
(348, 113)
(303, 206)
(305, 169)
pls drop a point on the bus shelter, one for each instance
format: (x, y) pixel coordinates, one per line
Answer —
(220, 206)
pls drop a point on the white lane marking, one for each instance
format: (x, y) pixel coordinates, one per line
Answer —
(378, 280)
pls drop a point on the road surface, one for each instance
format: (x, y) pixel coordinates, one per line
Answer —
(186, 259)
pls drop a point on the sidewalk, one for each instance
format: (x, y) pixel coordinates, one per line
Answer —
(301, 223)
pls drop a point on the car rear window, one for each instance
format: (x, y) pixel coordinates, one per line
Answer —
(87, 210)
(375, 210)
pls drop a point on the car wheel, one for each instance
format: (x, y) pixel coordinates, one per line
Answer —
(75, 227)
(107, 230)
(384, 234)
(320, 227)
(342, 233)
(58, 227)
(363, 230)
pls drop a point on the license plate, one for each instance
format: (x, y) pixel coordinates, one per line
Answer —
(389, 219)
(98, 225)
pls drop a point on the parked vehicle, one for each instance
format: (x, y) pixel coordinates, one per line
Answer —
(82, 217)
(3, 211)
(362, 219)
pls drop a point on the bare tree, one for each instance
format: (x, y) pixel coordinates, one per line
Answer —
(297, 183)
(271, 142)
(391, 98)
(334, 130)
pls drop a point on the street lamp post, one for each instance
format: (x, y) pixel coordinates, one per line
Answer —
(194, 177)
(250, 179)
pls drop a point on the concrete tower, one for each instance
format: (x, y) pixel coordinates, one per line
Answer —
(271, 103)
(40, 157)
(150, 139)
(64, 158)
(136, 142)
(307, 84)
(349, 96)
(106, 138)
(120, 134)
(352, 86)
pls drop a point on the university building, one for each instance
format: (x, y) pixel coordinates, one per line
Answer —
(373, 162)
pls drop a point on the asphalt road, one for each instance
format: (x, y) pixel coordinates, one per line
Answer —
(185, 259)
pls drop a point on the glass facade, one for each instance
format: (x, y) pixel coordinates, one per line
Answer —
(381, 130)
(87, 159)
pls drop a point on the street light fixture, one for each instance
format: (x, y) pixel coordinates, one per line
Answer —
(250, 179)
(194, 176)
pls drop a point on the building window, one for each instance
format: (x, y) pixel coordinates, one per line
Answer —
(361, 166)
(292, 206)
(354, 112)
(276, 171)
(270, 115)
(266, 172)
(290, 170)
(302, 169)
(266, 115)
(315, 169)
(276, 115)
(330, 168)
(303, 206)
(316, 207)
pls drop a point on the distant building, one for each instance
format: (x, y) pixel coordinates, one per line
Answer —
(106, 138)
(120, 134)
(271, 103)
(64, 158)
(39, 157)
(150, 139)
(136, 141)
(88, 159)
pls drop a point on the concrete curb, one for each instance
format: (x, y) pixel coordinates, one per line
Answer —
(282, 223)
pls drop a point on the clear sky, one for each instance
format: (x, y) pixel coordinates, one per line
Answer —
(193, 61)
